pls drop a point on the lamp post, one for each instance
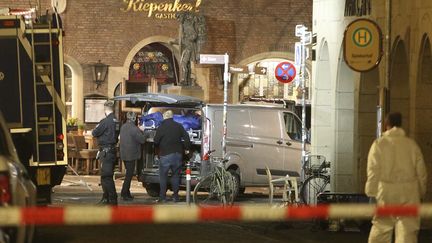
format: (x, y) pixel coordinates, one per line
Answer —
(100, 72)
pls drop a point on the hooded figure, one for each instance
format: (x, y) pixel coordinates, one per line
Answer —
(396, 175)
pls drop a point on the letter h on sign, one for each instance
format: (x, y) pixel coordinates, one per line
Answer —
(362, 36)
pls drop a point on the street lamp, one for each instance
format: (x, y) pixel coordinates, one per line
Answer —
(100, 72)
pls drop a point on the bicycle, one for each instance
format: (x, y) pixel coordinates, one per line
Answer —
(218, 185)
(316, 168)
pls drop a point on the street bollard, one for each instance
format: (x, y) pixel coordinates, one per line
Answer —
(188, 183)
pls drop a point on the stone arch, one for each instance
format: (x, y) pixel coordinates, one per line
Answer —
(425, 24)
(423, 104)
(345, 177)
(260, 57)
(399, 86)
(164, 40)
(368, 96)
(322, 102)
(267, 55)
(400, 25)
(273, 54)
(77, 86)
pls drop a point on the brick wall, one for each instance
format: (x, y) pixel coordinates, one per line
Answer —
(98, 29)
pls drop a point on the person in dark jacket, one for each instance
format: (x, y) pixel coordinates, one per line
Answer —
(172, 140)
(106, 133)
(131, 138)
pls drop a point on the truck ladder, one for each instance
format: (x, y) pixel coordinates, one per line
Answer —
(45, 105)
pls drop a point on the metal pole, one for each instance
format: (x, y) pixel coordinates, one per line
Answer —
(188, 183)
(225, 103)
(302, 80)
(379, 121)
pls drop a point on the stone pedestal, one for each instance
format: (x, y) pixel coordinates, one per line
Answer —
(194, 91)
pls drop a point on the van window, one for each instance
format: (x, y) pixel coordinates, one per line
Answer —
(293, 126)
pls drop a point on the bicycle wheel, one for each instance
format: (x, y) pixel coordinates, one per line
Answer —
(313, 186)
(228, 187)
(207, 192)
(223, 186)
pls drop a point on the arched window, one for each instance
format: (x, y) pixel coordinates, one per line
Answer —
(153, 65)
(68, 90)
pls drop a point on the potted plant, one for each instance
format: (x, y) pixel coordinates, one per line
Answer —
(72, 124)
(81, 127)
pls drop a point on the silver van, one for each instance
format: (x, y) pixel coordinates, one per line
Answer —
(257, 136)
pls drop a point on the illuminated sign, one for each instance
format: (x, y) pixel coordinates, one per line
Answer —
(162, 10)
(362, 45)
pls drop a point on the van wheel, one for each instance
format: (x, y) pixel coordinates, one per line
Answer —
(152, 189)
(237, 188)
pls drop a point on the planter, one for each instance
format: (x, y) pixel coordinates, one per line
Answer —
(71, 128)
(81, 132)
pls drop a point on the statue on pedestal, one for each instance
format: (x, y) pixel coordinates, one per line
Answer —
(192, 35)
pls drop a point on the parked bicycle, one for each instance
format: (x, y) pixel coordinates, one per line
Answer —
(217, 187)
(317, 178)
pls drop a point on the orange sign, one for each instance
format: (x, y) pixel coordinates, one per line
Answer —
(362, 45)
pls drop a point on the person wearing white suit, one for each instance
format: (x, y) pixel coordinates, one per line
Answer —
(396, 175)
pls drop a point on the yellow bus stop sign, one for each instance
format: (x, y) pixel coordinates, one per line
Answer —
(362, 45)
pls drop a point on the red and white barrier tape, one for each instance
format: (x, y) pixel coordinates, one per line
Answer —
(93, 215)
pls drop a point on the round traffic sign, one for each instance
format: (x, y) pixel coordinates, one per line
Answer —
(285, 72)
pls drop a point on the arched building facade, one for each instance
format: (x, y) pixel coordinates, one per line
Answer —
(115, 31)
(344, 102)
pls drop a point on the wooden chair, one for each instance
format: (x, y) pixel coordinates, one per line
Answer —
(91, 142)
(72, 151)
(289, 184)
(88, 155)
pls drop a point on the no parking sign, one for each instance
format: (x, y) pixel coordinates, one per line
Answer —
(285, 72)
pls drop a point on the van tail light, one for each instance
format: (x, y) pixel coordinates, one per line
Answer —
(5, 189)
(206, 140)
